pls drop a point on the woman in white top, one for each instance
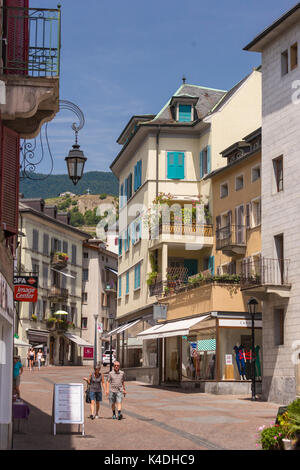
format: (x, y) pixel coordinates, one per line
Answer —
(39, 358)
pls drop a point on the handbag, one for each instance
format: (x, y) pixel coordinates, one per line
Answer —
(87, 395)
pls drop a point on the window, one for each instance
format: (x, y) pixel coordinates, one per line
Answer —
(35, 267)
(85, 255)
(127, 282)
(248, 212)
(255, 173)
(136, 231)
(175, 163)
(239, 182)
(284, 63)
(137, 276)
(73, 282)
(46, 244)
(35, 240)
(65, 247)
(84, 297)
(129, 186)
(45, 276)
(74, 254)
(223, 190)
(85, 275)
(278, 173)
(63, 281)
(256, 212)
(184, 113)
(44, 311)
(205, 161)
(294, 56)
(84, 323)
(279, 326)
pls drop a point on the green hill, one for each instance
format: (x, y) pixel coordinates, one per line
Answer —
(97, 182)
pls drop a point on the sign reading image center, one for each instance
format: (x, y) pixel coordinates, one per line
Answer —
(25, 288)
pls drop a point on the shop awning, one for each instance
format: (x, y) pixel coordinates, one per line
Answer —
(38, 336)
(18, 343)
(111, 270)
(177, 328)
(122, 328)
(79, 341)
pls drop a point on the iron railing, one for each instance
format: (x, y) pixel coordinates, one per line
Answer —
(182, 229)
(58, 292)
(31, 41)
(264, 271)
(231, 235)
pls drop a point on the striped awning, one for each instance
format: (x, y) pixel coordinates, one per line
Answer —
(206, 345)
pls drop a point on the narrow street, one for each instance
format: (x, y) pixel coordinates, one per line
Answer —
(154, 418)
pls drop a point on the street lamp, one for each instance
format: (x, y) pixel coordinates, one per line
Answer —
(75, 163)
(252, 307)
(95, 340)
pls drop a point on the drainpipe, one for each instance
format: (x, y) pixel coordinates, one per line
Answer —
(157, 159)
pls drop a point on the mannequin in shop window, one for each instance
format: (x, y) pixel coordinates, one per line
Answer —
(240, 360)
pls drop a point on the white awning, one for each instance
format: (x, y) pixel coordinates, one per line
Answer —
(122, 328)
(177, 328)
(18, 343)
(79, 341)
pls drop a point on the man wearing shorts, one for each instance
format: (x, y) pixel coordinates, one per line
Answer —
(115, 389)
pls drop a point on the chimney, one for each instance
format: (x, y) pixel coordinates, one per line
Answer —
(51, 211)
(37, 204)
(64, 217)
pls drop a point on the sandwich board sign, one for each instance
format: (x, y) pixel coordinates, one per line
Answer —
(68, 405)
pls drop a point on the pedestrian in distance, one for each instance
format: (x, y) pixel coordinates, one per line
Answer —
(39, 358)
(96, 383)
(31, 354)
(17, 372)
(115, 389)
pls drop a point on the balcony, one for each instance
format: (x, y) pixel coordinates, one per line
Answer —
(266, 276)
(110, 287)
(199, 235)
(58, 294)
(231, 240)
(59, 260)
(30, 67)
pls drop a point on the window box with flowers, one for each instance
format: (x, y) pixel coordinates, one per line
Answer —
(59, 260)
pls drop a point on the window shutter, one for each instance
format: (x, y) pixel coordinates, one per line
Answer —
(135, 178)
(180, 166)
(208, 159)
(9, 179)
(139, 173)
(201, 164)
(129, 191)
(171, 165)
(120, 245)
(218, 226)
(16, 26)
(65, 247)
(127, 282)
(211, 265)
(120, 285)
(185, 113)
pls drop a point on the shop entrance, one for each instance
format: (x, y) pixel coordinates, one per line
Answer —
(51, 351)
(172, 359)
(61, 351)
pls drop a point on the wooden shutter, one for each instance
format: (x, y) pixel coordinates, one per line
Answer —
(185, 113)
(211, 265)
(171, 174)
(180, 166)
(208, 159)
(201, 164)
(139, 173)
(9, 179)
(218, 226)
(16, 28)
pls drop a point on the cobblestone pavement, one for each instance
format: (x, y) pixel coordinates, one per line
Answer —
(154, 418)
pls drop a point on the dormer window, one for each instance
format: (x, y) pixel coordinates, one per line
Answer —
(184, 113)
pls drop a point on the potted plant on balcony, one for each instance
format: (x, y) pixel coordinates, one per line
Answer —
(34, 318)
(50, 322)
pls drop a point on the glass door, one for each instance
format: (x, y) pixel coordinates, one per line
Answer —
(172, 359)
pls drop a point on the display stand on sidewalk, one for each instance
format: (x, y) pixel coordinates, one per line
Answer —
(68, 405)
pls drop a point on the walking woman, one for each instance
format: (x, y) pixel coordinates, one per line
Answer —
(31, 353)
(39, 358)
(96, 382)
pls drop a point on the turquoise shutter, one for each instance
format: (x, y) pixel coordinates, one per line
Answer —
(139, 173)
(139, 275)
(211, 265)
(128, 236)
(133, 234)
(120, 245)
(120, 285)
(126, 189)
(127, 282)
(208, 159)
(171, 174)
(180, 166)
(185, 113)
(201, 164)
(135, 178)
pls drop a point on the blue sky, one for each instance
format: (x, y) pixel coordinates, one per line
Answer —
(123, 58)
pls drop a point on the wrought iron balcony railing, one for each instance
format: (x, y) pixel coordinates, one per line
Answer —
(265, 272)
(231, 235)
(205, 230)
(58, 292)
(31, 41)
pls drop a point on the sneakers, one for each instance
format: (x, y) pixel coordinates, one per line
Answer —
(114, 417)
(92, 417)
(97, 417)
(120, 416)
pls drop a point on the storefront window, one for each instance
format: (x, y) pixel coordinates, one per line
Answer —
(172, 352)
(235, 353)
(134, 352)
(199, 356)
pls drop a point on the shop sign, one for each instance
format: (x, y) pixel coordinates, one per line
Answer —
(88, 353)
(241, 323)
(26, 288)
(6, 297)
(228, 359)
(160, 312)
(68, 405)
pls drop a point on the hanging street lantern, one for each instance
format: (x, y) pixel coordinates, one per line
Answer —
(75, 163)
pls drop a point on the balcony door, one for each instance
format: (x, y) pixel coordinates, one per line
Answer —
(239, 225)
(279, 249)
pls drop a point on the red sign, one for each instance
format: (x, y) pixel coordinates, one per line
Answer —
(25, 288)
(88, 353)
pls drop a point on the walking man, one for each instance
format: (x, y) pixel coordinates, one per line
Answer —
(115, 389)
(18, 371)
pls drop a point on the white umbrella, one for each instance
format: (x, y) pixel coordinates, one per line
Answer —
(40, 346)
(61, 312)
